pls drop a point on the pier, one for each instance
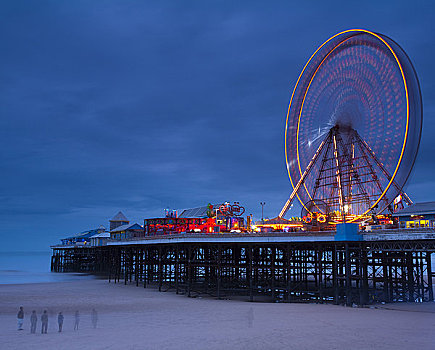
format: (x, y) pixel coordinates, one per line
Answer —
(280, 267)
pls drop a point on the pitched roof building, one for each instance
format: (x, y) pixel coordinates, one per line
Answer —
(199, 212)
(127, 231)
(417, 215)
(118, 220)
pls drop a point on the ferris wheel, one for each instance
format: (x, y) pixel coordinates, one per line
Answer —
(353, 126)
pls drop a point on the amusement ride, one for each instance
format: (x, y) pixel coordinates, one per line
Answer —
(353, 129)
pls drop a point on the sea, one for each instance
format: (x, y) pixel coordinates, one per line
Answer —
(32, 267)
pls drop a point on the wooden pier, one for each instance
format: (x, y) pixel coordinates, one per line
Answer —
(272, 267)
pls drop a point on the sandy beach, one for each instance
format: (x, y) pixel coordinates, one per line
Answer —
(131, 317)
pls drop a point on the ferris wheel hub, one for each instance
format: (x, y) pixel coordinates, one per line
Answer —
(343, 128)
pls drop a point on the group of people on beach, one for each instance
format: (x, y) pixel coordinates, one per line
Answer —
(44, 320)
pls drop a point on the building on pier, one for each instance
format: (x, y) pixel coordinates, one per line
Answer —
(119, 227)
(278, 225)
(118, 220)
(83, 238)
(417, 215)
(222, 217)
(212, 212)
(125, 232)
(100, 239)
(198, 212)
(170, 225)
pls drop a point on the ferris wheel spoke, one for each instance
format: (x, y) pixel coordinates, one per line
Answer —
(372, 154)
(352, 172)
(338, 172)
(322, 167)
(301, 180)
(372, 171)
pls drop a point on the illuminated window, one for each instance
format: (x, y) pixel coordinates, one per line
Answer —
(410, 224)
(424, 223)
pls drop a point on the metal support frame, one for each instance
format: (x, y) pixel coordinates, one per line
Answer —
(340, 169)
(381, 166)
(352, 169)
(338, 174)
(301, 180)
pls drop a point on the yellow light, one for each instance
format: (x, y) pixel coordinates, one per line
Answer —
(321, 218)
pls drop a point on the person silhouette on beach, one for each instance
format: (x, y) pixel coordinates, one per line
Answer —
(60, 321)
(44, 321)
(76, 320)
(250, 317)
(33, 320)
(20, 318)
(94, 318)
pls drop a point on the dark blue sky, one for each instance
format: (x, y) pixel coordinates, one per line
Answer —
(135, 106)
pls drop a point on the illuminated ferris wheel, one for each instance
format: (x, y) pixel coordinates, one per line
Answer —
(353, 127)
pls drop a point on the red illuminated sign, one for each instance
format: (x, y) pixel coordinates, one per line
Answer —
(232, 210)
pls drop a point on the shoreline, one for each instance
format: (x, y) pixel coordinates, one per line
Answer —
(131, 317)
(53, 277)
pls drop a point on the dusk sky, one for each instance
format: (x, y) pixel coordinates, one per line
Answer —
(140, 106)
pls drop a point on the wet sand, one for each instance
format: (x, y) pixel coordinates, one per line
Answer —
(132, 317)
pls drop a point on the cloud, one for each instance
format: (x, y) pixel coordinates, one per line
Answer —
(139, 106)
